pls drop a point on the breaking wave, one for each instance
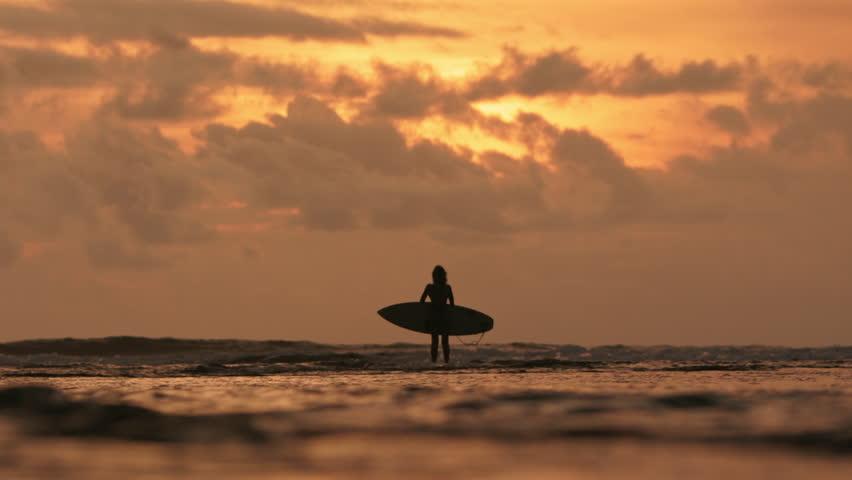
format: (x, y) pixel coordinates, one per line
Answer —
(139, 356)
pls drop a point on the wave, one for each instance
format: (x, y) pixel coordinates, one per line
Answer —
(515, 416)
(128, 345)
(395, 390)
(43, 410)
(270, 356)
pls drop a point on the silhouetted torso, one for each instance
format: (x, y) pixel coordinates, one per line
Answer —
(439, 294)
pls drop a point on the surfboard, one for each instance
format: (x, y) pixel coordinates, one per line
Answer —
(414, 315)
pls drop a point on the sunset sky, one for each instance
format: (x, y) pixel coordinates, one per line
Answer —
(587, 172)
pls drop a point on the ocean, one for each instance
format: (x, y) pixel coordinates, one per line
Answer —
(140, 408)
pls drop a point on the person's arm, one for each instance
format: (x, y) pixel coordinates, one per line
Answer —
(425, 294)
(450, 296)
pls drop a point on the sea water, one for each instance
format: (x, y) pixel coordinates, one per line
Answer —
(131, 408)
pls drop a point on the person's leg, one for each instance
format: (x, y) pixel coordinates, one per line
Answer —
(445, 343)
(434, 348)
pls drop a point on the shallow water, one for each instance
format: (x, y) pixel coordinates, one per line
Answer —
(262, 410)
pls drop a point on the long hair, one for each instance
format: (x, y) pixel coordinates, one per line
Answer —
(439, 275)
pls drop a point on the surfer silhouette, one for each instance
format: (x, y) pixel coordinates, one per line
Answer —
(439, 293)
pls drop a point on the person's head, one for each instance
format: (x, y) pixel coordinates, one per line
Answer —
(439, 275)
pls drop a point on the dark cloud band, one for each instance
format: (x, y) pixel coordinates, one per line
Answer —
(108, 20)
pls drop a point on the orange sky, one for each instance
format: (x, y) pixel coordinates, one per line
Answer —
(588, 172)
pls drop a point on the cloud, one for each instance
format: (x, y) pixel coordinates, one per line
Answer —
(363, 174)
(286, 79)
(170, 81)
(137, 196)
(804, 124)
(413, 92)
(107, 20)
(277, 78)
(112, 182)
(417, 91)
(143, 178)
(642, 77)
(553, 72)
(177, 81)
(792, 183)
(10, 250)
(829, 76)
(108, 253)
(346, 175)
(38, 67)
(589, 155)
(729, 119)
(173, 80)
(563, 72)
(388, 28)
(38, 191)
(592, 187)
